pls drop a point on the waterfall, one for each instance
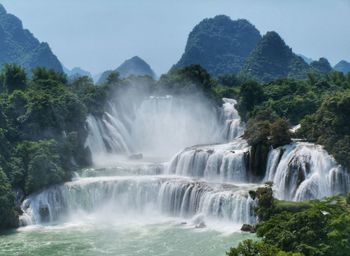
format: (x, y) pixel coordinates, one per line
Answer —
(170, 196)
(222, 162)
(233, 127)
(208, 180)
(164, 125)
(303, 171)
(157, 125)
(106, 135)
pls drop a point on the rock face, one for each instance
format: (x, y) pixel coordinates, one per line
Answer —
(343, 66)
(134, 66)
(273, 59)
(322, 65)
(220, 45)
(19, 46)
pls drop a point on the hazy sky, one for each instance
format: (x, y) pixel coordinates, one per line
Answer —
(100, 34)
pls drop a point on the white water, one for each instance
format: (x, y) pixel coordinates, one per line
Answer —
(142, 195)
(157, 126)
(233, 126)
(222, 162)
(206, 185)
(303, 171)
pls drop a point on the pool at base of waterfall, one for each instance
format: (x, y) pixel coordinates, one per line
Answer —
(168, 238)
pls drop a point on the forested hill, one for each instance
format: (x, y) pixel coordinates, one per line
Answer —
(273, 59)
(19, 46)
(134, 66)
(223, 46)
(342, 66)
(220, 45)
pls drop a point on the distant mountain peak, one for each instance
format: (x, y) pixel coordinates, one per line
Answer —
(220, 45)
(136, 58)
(342, 66)
(18, 45)
(134, 66)
(273, 59)
(306, 59)
(76, 72)
(322, 65)
(2, 10)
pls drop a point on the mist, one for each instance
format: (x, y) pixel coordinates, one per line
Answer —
(154, 123)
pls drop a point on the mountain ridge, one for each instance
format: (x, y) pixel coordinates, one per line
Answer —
(19, 45)
(220, 45)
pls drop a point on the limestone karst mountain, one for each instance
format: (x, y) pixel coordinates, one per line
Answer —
(19, 46)
(220, 45)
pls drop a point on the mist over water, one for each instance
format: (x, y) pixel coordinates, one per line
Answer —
(159, 126)
(174, 168)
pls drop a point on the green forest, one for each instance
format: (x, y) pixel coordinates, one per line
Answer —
(43, 131)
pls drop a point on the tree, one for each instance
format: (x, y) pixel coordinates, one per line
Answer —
(44, 74)
(14, 77)
(280, 134)
(113, 77)
(251, 95)
(229, 80)
(8, 214)
(81, 84)
(257, 132)
(42, 164)
(266, 203)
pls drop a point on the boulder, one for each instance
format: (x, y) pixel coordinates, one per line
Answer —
(248, 228)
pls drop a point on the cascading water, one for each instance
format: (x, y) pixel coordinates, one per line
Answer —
(303, 171)
(207, 181)
(123, 195)
(233, 126)
(222, 162)
(154, 126)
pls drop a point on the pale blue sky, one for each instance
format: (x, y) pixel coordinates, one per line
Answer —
(99, 34)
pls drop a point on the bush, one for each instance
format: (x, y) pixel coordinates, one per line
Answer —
(314, 228)
(254, 248)
(42, 164)
(265, 202)
(329, 126)
(280, 134)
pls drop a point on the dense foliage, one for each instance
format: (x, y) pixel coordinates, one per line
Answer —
(191, 79)
(8, 214)
(42, 131)
(320, 103)
(308, 228)
(329, 126)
